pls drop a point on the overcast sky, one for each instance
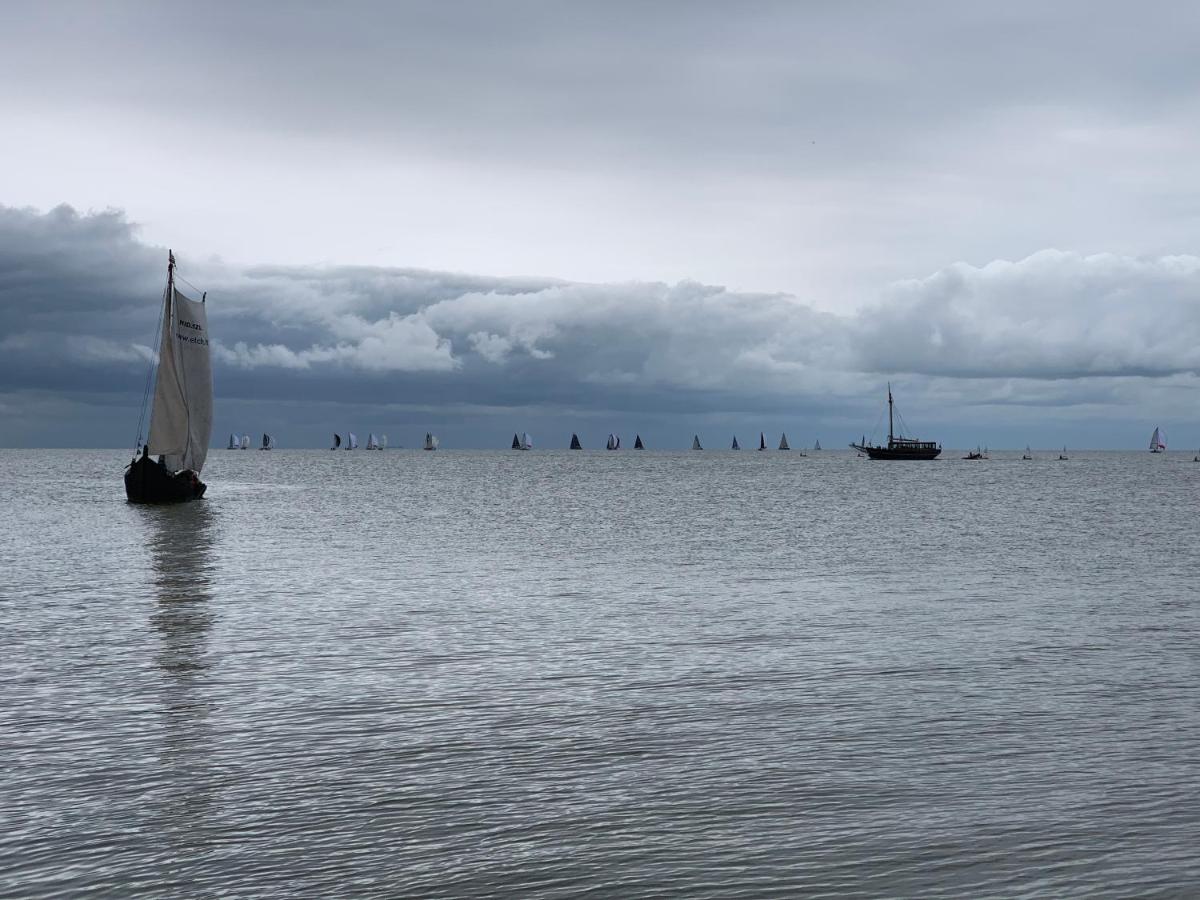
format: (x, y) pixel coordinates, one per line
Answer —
(667, 217)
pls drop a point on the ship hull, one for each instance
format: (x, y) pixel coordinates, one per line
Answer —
(148, 482)
(898, 452)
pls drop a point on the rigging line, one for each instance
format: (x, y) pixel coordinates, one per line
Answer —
(157, 342)
(179, 277)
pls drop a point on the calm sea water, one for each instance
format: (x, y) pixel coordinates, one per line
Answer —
(556, 674)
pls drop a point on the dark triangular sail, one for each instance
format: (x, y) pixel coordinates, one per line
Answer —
(575, 445)
(516, 444)
(637, 443)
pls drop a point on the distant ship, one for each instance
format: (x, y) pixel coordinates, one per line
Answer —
(762, 441)
(736, 445)
(235, 442)
(696, 442)
(614, 442)
(783, 444)
(898, 447)
(1028, 453)
(431, 441)
(1063, 455)
(1158, 441)
(575, 445)
(268, 442)
(637, 443)
(817, 445)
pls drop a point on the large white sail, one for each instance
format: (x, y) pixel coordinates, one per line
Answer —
(612, 442)
(181, 419)
(245, 442)
(431, 441)
(1158, 441)
(351, 441)
(234, 441)
(372, 444)
(526, 441)
(783, 444)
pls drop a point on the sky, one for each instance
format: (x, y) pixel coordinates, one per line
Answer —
(668, 218)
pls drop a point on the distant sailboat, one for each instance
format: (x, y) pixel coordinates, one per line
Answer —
(575, 445)
(235, 442)
(762, 441)
(1158, 441)
(526, 441)
(1028, 453)
(637, 443)
(431, 441)
(268, 442)
(383, 442)
(1063, 455)
(696, 442)
(614, 442)
(817, 445)
(736, 445)
(337, 442)
(372, 444)
(516, 444)
(245, 442)
(974, 454)
(783, 444)
(181, 411)
(351, 441)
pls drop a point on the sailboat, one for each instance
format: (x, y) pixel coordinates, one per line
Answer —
(898, 447)
(181, 414)
(382, 442)
(337, 442)
(526, 441)
(696, 442)
(516, 444)
(1028, 453)
(235, 442)
(637, 443)
(245, 442)
(736, 445)
(431, 441)
(762, 441)
(372, 444)
(817, 445)
(783, 444)
(614, 442)
(974, 454)
(268, 442)
(1063, 455)
(575, 445)
(1158, 441)
(351, 441)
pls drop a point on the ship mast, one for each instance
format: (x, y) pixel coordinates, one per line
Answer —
(889, 413)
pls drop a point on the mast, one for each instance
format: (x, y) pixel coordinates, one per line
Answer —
(890, 429)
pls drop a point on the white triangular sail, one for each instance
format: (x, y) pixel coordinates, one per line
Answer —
(696, 442)
(351, 441)
(234, 441)
(181, 419)
(431, 441)
(372, 444)
(783, 444)
(526, 441)
(613, 442)
(1158, 441)
(245, 442)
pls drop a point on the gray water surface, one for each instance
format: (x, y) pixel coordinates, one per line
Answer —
(554, 674)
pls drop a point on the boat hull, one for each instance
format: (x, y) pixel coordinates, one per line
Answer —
(147, 481)
(898, 452)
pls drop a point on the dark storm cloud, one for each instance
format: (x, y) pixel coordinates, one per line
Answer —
(79, 299)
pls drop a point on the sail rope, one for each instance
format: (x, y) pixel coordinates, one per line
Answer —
(157, 342)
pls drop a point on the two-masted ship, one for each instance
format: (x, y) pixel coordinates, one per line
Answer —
(898, 447)
(169, 465)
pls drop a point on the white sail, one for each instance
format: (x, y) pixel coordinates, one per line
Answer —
(351, 441)
(431, 441)
(696, 442)
(612, 442)
(268, 442)
(817, 445)
(526, 441)
(1158, 441)
(383, 442)
(245, 442)
(181, 419)
(234, 441)
(783, 444)
(372, 444)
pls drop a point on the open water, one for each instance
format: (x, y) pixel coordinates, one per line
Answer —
(623, 675)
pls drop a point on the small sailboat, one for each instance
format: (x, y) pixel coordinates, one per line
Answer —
(181, 411)
(372, 444)
(383, 442)
(1063, 455)
(268, 442)
(762, 441)
(526, 441)
(245, 442)
(1028, 453)
(817, 445)
(575, 445)
(783, 444)
(637, 443)
(431, 441)
(516, 444)
(351, 441)
(736, 445)
(337, 442)
(696, 442)
(614, 442)
(235, 442)
(1158, 441)
(974, 454)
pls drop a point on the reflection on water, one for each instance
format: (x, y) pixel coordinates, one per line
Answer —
(180, 543)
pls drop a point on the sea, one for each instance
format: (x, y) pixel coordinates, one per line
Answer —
(552, 674)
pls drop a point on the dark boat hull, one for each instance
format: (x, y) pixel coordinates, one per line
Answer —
(898, 452)
(148, 482)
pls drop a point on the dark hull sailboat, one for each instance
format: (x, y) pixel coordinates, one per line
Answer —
(181, 411)
(637, 443)
(575, 445)
(898, 447)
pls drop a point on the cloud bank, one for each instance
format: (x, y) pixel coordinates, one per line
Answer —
(1087, 336)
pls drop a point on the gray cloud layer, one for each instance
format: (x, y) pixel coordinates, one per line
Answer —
(1056, 336)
